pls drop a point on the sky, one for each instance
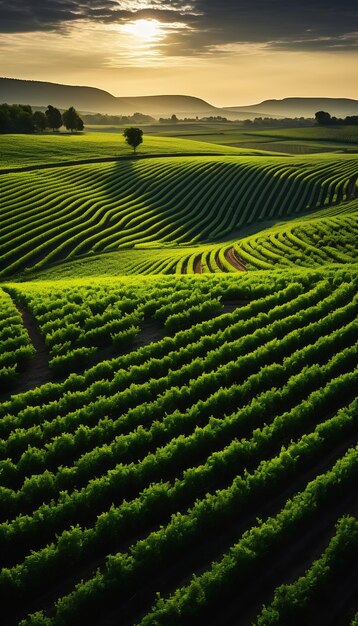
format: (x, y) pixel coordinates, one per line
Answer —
(229, 52)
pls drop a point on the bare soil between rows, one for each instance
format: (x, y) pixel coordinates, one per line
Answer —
(234, 260)
(37, 372)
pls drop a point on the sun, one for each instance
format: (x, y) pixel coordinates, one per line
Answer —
(147, 30)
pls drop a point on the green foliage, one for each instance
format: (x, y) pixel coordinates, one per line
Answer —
(17, 118)
(71, 120)
(323, 118)
(40, 120)
(15, 345)
(133, 137)
(107, 207)
(186, 406)
(154, 454)
(295, 604)
(54, 117)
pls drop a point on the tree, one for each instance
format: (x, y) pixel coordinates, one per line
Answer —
(80, 124)
(351, 119)
(322, 117)
(72, 120)
(40, 120)
(174, 119)
(16, 118)
(54, 118)
(133, 137)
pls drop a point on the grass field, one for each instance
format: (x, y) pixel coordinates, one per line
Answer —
(27, 150)
(178, 385)
(340, 134)
(307, 140)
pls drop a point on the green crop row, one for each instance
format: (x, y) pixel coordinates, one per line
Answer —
(23, 410)
(295, 604)
(217, 584)
(159, 500)
(124, 572)
(175, 447)
(16, 348)
(195, 376)
(106, 207)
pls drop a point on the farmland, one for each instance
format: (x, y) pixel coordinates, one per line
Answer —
(29, 150)
(178, 382)
(181, 200)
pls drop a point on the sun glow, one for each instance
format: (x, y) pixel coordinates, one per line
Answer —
(146, 30)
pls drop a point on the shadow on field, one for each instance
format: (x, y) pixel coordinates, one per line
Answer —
(147, 199)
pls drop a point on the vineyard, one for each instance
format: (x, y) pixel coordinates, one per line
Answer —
(105, 207)
(323, 238)
(168, 447)
(178, 388)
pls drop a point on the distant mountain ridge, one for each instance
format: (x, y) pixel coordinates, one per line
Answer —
(92, 99)
(300, 107)
(36, 93)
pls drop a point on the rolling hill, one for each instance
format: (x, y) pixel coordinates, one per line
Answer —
(52, 215)
(91, 99)
(39, 93)
(299, 107)
(178, 382)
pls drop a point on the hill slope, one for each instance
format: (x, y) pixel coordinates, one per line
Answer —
(175, 449)
(301, 107)
(60, 213)
(91, 99)
(39, 93)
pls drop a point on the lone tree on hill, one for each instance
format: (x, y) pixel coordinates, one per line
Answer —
(40, 120)
(54, 118)
(134, 137)
(72, 120)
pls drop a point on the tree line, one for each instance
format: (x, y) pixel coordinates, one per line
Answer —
(325, 119)
(271, 122)
(105, 120)
(20, 118)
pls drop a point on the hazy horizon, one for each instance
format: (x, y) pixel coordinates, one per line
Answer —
(240, 55)
(174, 93)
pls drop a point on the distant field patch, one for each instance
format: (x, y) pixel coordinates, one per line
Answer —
(344, 134)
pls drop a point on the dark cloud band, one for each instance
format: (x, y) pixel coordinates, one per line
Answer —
(307, 25)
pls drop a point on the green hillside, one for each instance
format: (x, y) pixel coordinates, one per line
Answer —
(55, 215)
(19, 151)
(178, 384)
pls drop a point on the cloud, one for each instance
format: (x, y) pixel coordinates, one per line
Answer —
(212, 26)
(306, 25)
(48, 15)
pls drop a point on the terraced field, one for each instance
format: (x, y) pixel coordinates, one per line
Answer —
(59, 214)
(178, 391)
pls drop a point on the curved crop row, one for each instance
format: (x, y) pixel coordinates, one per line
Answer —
(52, 215)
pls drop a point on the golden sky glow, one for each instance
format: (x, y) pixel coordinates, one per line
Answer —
(145, 30)
(238, 53)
